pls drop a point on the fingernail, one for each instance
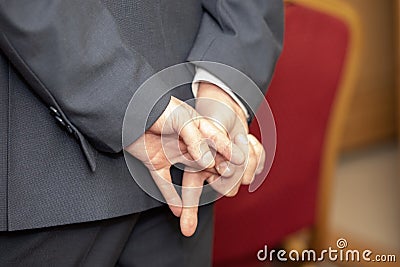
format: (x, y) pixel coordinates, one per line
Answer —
(208, 158)
(238, 156)
(242, 139)
(223, 167)
(253, 141)
(211, 179)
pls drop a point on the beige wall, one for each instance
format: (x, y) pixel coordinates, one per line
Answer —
(373, 111)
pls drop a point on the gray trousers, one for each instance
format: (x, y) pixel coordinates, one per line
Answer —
(150, 238)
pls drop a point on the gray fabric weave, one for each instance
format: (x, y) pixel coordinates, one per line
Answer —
(88, 71)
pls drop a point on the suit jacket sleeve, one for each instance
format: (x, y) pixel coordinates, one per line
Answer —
(73, 57)
(246, 35)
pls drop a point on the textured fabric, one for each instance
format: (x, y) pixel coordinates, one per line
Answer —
(151, 238)
(301, 96)
(49, 182)
(91, 95)
(255, 28)
(85, 244)
(85, 59)
(164, 245)
(4, 113)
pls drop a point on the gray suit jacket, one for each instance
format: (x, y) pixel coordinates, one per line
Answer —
(67, 71)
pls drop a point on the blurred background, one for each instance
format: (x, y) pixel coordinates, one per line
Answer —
(335, 96)
(366, 187)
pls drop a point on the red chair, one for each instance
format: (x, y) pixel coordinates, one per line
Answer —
(309, 95)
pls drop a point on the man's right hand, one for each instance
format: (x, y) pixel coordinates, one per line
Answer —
(180, 135)
(224, 112)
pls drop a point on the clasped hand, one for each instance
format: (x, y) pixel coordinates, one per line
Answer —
(188, 136)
